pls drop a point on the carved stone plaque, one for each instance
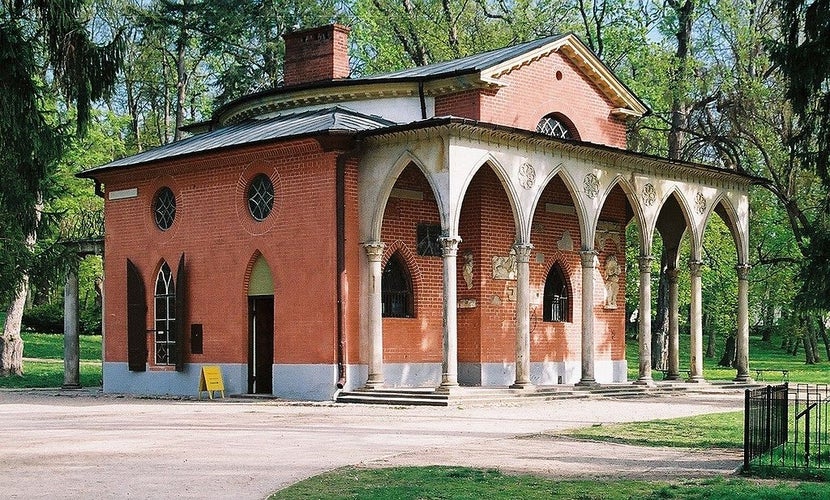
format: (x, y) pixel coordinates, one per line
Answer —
(649, 195)
(591, 185)
(504, 268)
(527, 175)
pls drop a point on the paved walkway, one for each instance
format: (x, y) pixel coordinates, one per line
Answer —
(76, 445)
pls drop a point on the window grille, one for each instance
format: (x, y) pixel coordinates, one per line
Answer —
(261, 197)
(556, 299)
(554, 127)
(165, 317)
(396, 290)
(164, 208)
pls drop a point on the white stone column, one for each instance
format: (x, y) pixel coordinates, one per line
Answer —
(644, 377)
(674, 327)
(71, 346)
(742, 341)
(589, 263)
(374, 252)
(696, 323)
(522, 316)
(449, 376)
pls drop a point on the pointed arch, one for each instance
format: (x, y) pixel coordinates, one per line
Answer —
(397, 283)
(724, 208)
(557, 298)
(406, 159)
(631, 195)
(258, 277)
(573, 191)
(686, 212)
(164, 316)
(507, 186)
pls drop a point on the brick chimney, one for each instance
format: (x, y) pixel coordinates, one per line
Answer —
(316, 54)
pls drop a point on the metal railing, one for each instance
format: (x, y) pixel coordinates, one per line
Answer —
(787, 427)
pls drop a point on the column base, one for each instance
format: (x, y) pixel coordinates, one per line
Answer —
(672, 376)
(71, 386)
(696, 379)
(648, 382)
(743, 378)
(447, 387)
(523, 385)
(373, 384)
(590, 383)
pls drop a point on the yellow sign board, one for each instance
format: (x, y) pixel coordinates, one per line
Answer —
(210, 380)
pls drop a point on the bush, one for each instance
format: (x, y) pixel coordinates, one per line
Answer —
(90, 319)
(46, 318)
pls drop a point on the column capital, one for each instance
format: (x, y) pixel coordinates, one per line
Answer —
(645, 263)
(374, 250)
(589, 258)
(695, 268)
(671, 274)
(523, 251)
(743, 271)
(449, 245)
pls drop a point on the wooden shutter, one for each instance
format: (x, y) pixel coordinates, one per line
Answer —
(180, 316)
(136, 320)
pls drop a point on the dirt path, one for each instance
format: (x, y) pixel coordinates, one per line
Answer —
(79, 446)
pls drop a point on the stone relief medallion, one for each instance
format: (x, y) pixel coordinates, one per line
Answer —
(591, 185)
(700, 203)
(504, 268)
(649, 195)
(527, 175)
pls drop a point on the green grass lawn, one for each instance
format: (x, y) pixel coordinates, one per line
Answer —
(464, 483)
(715, 430)
(43, 362)
(761, 355)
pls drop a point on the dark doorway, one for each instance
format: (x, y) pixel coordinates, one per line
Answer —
(260, 344)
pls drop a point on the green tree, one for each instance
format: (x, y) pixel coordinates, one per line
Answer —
(51, 64)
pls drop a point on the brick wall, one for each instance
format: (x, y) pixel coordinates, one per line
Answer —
(551, 84)
(418, 339)
(219, 238)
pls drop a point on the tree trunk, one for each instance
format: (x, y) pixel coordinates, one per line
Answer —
(181, 75)
(711, 336)
(822, 328)
(730, 353)
(679, 106)
(811, 340)
(660, 326)
(11, 344)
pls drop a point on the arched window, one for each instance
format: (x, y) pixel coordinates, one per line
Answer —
(557, 125)
(556, 300)
(396, 290)
(165, 316)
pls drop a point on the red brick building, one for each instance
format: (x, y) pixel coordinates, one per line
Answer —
(457, 223)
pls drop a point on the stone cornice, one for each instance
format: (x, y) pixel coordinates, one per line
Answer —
(605, 156)
(274, 102)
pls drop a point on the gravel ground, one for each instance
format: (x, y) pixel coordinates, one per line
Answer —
(81, 444)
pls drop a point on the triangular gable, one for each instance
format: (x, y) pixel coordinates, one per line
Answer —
(627, 104)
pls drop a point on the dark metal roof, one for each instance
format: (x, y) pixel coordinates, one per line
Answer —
(335, 119)
(469, 64)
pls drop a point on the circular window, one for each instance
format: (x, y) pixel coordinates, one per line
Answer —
(164, 208)
(260, 197)
(555, 127)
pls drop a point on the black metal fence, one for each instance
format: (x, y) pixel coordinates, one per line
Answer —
(787, 427)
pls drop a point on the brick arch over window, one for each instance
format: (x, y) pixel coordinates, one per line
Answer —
(399, 250)
(558, 125)
(557, 279)
(256, 258)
